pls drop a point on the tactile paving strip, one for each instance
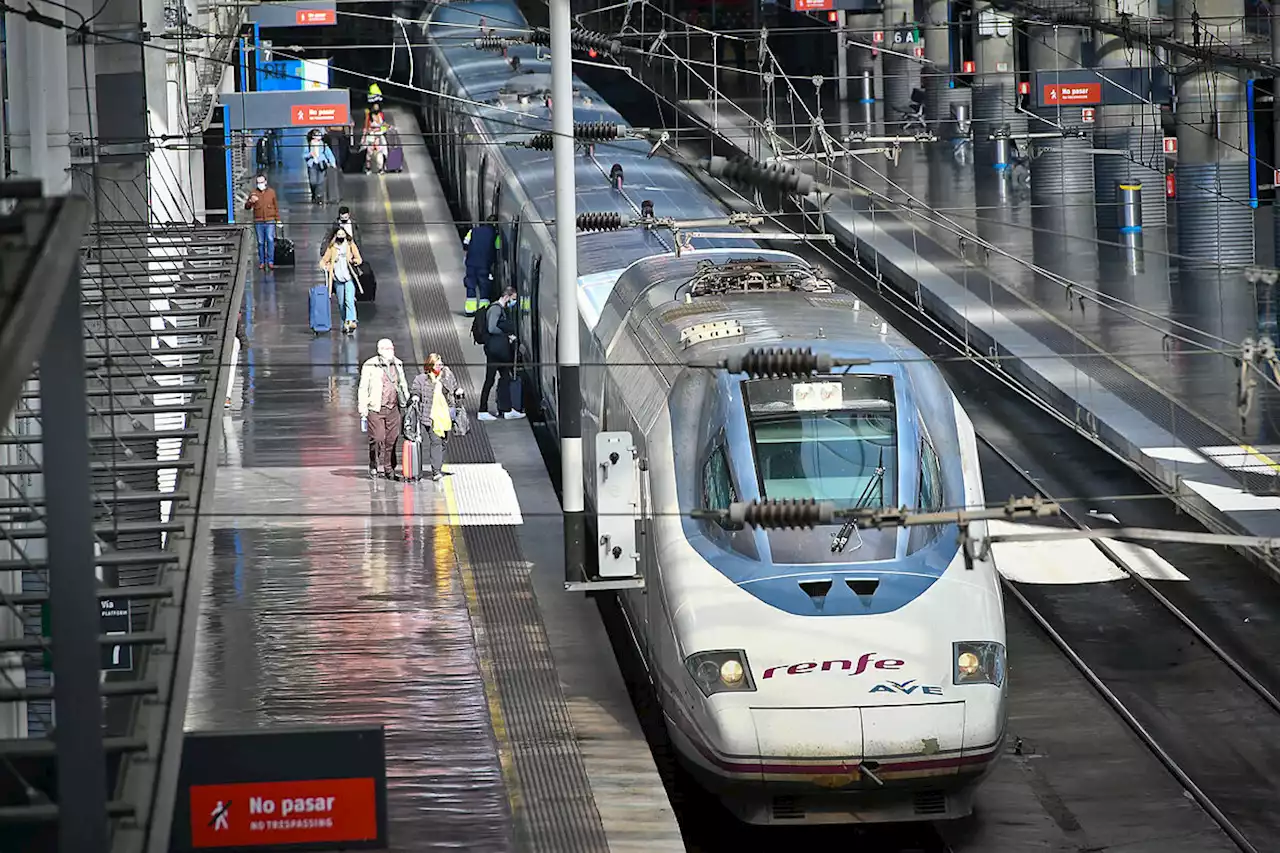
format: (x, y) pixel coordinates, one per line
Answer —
(555, 811)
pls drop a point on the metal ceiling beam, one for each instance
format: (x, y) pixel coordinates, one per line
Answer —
(1209, 55)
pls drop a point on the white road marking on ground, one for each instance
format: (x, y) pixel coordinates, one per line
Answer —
(1071, 561)
(1232, 500)
(1175, 454)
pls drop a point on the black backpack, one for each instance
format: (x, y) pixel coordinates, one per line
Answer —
(480, 327)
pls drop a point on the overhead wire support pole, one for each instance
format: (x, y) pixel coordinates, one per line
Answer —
(568, 351)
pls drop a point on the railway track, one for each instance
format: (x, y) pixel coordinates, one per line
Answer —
(1201, 712)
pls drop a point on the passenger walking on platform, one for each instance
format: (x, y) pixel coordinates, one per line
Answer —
(441, 396)
(344, 222)
(319, 160)
(499, 356)
(375, 145)
(481, 244)
(266, 216)
(383, 392)
(340, 262)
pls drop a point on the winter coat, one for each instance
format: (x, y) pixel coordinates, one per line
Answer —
(330, 256)
(370, 397)
(422, 389)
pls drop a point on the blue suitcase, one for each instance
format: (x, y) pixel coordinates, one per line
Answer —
(320, 310)
(517, 392)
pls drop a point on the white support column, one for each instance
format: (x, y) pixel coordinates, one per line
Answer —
(38, 109)
(568, 351)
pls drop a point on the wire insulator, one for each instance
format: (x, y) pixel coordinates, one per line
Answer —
(490, 43)
(786, 514)
(580, 39)
(778, 363)
(748, 170)
(583, 131)
(588, 40)
(599, 221)
(544, 141)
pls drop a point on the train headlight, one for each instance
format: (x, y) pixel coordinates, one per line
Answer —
(978, 663)
(720, 672)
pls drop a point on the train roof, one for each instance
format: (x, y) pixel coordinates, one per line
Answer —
(515, 110)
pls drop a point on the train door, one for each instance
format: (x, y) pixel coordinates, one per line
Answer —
(477, 200)
(529, 307)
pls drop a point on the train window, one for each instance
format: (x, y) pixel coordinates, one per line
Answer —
(717, 484)
(838, 445)
(931, 497)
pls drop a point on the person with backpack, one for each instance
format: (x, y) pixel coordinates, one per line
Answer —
(495, 331)
(318, 159)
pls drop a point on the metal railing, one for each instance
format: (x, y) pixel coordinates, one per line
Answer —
(107, 458)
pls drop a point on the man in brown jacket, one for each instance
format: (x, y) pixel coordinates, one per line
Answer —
(266, 216)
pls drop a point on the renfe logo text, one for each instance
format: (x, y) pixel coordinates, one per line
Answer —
(827, 665)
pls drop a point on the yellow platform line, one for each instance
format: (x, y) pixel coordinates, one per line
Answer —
(497, 718)
(1261, 457)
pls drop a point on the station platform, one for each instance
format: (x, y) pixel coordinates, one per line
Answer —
(1139, 353)
(436, 610)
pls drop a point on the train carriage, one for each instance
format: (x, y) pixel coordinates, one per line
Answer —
(828, 675)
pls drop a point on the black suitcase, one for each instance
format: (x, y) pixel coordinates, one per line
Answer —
(354, 164)
(368, 284)
(285, 256)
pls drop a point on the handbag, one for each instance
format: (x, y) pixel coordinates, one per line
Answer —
(461, 421)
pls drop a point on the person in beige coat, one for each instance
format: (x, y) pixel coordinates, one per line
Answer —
(341, 263)
(383, 393)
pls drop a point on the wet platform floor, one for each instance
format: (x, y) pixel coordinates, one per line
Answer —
(432, 609)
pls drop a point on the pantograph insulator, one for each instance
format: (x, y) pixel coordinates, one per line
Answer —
(580, 39)
(599, 221)
(490, 43)
(748, 170)
(785, 514)
(778, 363)
(583, 131)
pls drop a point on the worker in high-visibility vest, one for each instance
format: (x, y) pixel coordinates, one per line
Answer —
(481, 244)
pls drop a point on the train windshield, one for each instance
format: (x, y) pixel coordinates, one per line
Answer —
(829, 438)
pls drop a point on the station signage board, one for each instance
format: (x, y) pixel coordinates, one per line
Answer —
(1099, 86)
(812, 5)
(316, 17)
(244, 111)
(834, 5)
(1071, 93)
(313, 114)
(308, 13)
(281, 789)
(115, 621)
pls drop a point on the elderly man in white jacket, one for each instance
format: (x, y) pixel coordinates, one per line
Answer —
(383, 393)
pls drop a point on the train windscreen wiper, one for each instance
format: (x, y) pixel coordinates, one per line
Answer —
(875, 486)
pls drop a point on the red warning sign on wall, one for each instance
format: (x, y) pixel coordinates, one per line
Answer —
(1073, 93)
(261, 814)
(1171, 145)
(319, 114)
(812, 5)
(316, 17)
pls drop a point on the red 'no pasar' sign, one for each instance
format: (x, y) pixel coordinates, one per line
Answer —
(260, 814)
(303, 114)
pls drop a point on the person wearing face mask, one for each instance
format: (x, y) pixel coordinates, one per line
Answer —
(383, 392)
(344, 222)
(499, 356)
(440, 399)
(266, 216)
(339, 263)
(319, 160)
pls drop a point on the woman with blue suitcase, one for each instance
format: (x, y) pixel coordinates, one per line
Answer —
(340, 263)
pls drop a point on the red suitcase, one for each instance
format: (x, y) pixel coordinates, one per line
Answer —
(411, 460)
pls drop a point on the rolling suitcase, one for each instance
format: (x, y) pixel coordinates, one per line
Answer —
(395, 152)
(285, 256)
(368, 284)
(354, 164)
(411, 459)
(319, 309)
(332, 185)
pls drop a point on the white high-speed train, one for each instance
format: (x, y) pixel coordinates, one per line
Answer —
(828, 675)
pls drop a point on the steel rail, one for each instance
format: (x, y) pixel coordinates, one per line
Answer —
(1096, 682)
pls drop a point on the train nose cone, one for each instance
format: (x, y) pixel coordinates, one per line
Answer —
(791, 739)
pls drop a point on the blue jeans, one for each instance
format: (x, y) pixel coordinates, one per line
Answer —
(346, 292)
(266, 242)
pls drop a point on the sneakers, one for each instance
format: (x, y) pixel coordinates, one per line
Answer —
(485, 416)
(513, 415)
(508, 416)
(373, 473)
(437, 476)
